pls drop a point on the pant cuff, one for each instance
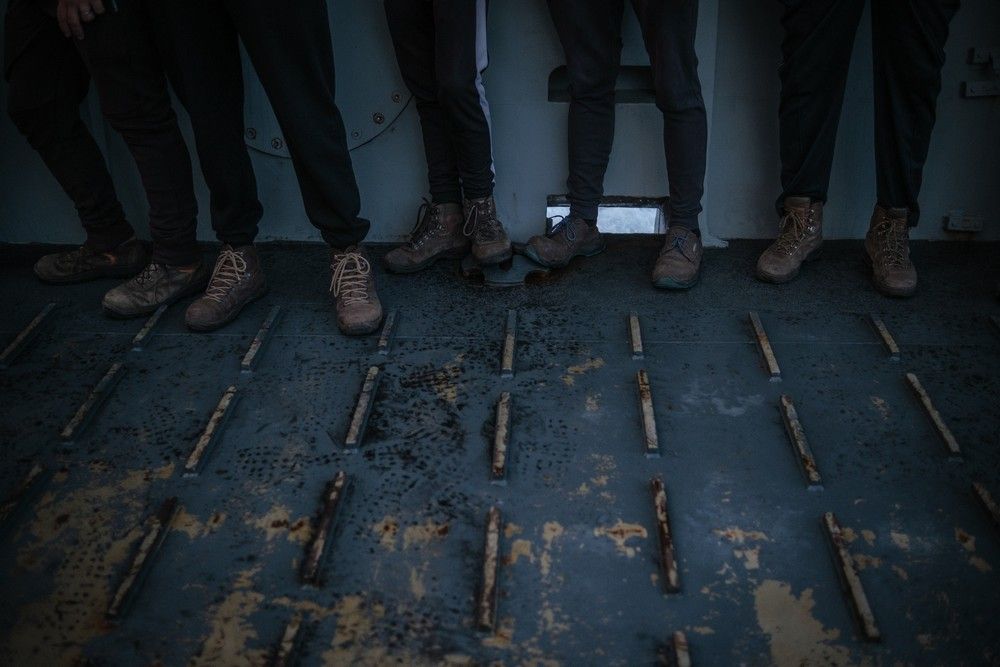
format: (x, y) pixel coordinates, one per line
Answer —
(176, 256)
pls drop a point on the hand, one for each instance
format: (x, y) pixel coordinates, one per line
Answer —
(72, 14)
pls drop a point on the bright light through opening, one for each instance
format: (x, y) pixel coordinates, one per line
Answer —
(621, 219)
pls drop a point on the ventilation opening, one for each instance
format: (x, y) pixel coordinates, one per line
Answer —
(617, 215)
(634, 85)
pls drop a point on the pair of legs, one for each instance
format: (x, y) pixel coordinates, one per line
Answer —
(442, 52)
(291, 49)
(48, 77)
(908, 41)
(590, 34)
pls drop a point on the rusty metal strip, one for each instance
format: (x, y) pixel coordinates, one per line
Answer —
(319, 544)
(797, 435)
(287, 648)
(682, 651)
(11, 503)
(850, 580)
(501, 439)
(509, 343)
(883, 332)
(765, 346)
(22, 339)
(668, 562)
(211, 432)
(263, 335)
(388, 331)
(635, 335)
(932, 412)
(487, 605)
(651, 440)
(363, 409)
(157, 527)
(147, 328)
(985, 499)
(95, 400)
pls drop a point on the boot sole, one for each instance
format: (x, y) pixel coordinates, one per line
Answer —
(94, 274)
(530, 253)
(459, 254)
(232, 316)
(671, 284)
(192, 289)
(362, 331)
(781, 280)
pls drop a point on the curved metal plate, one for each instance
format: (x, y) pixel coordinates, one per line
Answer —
(370, 90)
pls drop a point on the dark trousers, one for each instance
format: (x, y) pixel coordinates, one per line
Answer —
(441, 50)
(908, 40)
(47, 83)
(290, 46)
(590, 32)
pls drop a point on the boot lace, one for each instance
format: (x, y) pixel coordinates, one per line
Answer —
(891, 238)
(794, 228)
(350, 277)
(564, 226)
(428, 221)
(229, 270)
(678, 242)
(150, 274)
(483, 227)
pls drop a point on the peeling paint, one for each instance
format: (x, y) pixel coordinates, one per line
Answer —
(579, 369)
(795, 637)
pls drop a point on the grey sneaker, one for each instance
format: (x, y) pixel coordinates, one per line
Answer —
(156, 285)
(236, 281)
(679, 263)
(888, 247)
(437, 235)
(569, 238)
(352, 286)
(490, 244)
(86, 263)
(798, 241)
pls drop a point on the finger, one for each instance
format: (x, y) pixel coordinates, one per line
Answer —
(73, 19)
(86, 13)
(61, 18)
(97, 6)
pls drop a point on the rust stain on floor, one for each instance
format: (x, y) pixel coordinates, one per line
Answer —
(620, 534)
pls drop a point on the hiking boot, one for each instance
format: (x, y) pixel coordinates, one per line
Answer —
(888, 247)
(490, 244)
(679, 261)
(569, 238)
(86, 263)
(437, 235)
(236, 281)
(798, 241)
(155, 286)
(352, 285)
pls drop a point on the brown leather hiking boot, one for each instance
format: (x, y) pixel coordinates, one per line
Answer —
(798, 241)
(888, 248)
(437, 235)
(569, 238)
(679, 262)
(490, 244)
(86, 263)
(155, 286)
(352, 285)
(236, 281)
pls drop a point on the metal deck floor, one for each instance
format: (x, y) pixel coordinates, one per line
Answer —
(580, 578)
